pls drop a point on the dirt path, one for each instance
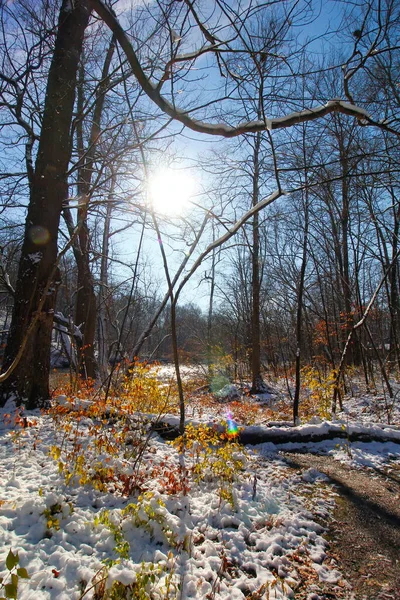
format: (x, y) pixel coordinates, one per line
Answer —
(365, 534)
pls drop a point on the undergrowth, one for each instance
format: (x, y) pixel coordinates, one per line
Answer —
(9, 584)
(149, 582)
(101, 439)
(318, 389)
(214, 456)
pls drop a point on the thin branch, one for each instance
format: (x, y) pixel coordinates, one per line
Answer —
(221, 129)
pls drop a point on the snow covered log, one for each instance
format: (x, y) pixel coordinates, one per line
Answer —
(327, 430)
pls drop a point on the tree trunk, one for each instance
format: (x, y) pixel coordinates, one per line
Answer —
(354, 356)
(29, 381)
(85, 312)
(299, 315)
(103, 313)
(86, 306)
(210, 315)
(257, 383)
(394, 299)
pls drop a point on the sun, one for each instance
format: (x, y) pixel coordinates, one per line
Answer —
(170, 191)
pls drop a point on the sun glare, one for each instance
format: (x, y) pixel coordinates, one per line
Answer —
(170, 191)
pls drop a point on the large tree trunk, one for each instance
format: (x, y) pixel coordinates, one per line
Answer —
(29, 381)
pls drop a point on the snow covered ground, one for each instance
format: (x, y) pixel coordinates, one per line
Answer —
(261, 538)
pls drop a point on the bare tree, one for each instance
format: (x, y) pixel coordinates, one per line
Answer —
(27, 378)
(223, 34)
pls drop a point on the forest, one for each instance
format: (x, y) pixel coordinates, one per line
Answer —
(199, 243)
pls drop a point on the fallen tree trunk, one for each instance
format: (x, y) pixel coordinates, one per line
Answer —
(298, 437)
(253, 435)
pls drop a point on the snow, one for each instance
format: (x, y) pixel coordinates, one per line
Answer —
(356, 110)
(325, 427)
(228, 392)
(266, 539)
(35, 257)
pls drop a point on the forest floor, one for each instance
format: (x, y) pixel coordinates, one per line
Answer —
(96, 507)
(364, 534)
(364, 529)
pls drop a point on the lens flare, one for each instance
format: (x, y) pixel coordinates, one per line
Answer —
(232, 427)
(39, 235)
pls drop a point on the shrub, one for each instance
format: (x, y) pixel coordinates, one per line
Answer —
(101, 440)
(320, 388)
(212, 456)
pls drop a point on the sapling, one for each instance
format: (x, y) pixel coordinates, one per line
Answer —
(9, 583)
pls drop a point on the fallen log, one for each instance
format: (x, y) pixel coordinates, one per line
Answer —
(303, 434)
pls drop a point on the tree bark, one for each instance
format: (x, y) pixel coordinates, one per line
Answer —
(29, 381)
(103, 316)
(86, 305)
(257, 384)
(354, 353)
(394, 297)
(210, 315)
(299, 312)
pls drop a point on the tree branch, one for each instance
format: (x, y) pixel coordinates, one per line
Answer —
(221, 129)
